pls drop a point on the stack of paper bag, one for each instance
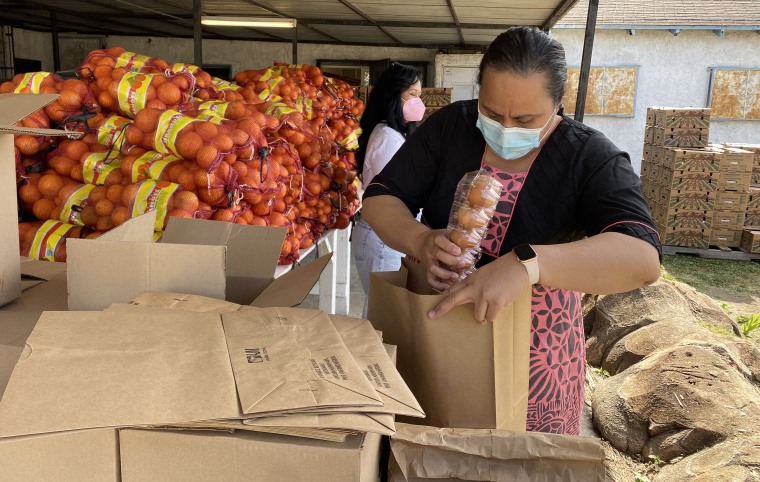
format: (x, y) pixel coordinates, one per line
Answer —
(423, 453)
(281, 370)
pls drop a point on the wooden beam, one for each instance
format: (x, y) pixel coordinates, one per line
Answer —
(303, 23)
(408, 24)
(370, 19)
(42, 19)
(54, 34)
(453, 12)
(197, 33)
(558, 13)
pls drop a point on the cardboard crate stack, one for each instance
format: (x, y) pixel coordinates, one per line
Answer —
(751, 233)
(679, 177)
(732, 196)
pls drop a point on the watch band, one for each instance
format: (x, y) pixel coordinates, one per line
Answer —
(528, 257)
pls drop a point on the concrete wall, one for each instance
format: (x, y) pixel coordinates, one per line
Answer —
(240, 55)
(673, 72)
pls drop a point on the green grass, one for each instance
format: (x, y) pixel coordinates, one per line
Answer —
(706, 274)
(718, 330)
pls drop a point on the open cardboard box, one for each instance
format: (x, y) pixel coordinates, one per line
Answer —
(210, 258)
(13, 108)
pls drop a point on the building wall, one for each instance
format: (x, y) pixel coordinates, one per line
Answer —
(673, 72)
(240, 55)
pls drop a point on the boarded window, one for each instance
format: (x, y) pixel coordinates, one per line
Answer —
(611, 91)
(735, 93)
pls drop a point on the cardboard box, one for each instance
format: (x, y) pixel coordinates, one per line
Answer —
(692, 201)
(655, 174)
(184, 455)
(646, 169)
(728, 219)
(676, 117)
(690, 159)
(680, 137)
(87, 455)
(751, 240)
(648, 154)
(692, 220)
(755, 148)
(13, 108)
(756, 175)
(208, 258)
(690, 238)
(753, 200)
(731, 201)
(734, 181)
(752, 218)
(658, 155)
(729, 238)
(649, 135)
(699, 181)
(733, 159)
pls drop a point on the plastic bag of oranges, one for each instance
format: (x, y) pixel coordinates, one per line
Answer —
(475, 201)
(46, 240)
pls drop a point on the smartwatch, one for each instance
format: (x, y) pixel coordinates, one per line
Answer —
(528, 257)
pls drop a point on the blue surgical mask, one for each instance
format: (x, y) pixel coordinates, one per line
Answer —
(509, 142)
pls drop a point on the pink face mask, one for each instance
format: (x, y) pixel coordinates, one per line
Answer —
(414, 109)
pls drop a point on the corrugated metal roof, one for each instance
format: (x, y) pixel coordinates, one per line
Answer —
(429, 23)
(668, 13)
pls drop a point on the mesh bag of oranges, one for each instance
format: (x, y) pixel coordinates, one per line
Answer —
(475, 201)
(128, 93)
(75, 99)
(46, 240)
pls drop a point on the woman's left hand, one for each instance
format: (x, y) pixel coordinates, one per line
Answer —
(490, 288)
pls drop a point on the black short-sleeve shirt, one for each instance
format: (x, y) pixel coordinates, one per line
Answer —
(580, 184)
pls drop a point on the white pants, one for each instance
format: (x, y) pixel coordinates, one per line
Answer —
(371, 255)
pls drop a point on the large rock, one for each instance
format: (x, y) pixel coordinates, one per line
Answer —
(615, 316)
(679, 400)
(735, 460)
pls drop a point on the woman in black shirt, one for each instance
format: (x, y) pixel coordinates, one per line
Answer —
(571, 218)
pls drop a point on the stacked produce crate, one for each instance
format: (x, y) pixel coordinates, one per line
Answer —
(733, 195)
(751, 233)
(679, 177)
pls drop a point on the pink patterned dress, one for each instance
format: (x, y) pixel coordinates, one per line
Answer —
(557, 348)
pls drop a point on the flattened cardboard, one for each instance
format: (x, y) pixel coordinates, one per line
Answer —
(380, 423)
(286, 359)
(171, 456)
(495, 455)
(13, 108)
(107, 369)
(34, 272)
(252, 251)
(81, 456)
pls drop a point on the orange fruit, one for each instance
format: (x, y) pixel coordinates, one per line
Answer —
(27, 145)
(50, 184)
(119, 215)
(203, 179)
(113, 177)
(206, 130)
(70, 99)
(179, 213)
(147, 119)
(186, 179)
(104, 207)
(97, 193)
(107, 101)
(156, 104)
(64, 166)
(224, 214)
(188, 144)
(181, 81)
(235, 110)
(113, 193)
(169, 93)
(128, 194)
(102, 71)
(29, 193)
(206, 157)
(223, 142)
(74, 149)
(104, 223)
(186, 201)
(43, 208)
(215, 196)
(118, 73)
(89, 215)
(133, 135)
(240, 137)
(76, 173)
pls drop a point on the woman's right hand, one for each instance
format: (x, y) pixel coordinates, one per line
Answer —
(435, 250)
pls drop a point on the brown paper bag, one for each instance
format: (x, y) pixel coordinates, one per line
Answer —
(495, 455)
(107, 369)
(288, 359)
(463, 374)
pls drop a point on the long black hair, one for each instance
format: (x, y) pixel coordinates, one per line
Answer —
(384, 104)
(524, 51)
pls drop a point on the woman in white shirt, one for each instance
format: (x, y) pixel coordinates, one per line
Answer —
(393, 110)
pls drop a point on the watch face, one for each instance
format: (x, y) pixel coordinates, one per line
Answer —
(524, 252)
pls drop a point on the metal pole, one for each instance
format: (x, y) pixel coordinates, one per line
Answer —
(588, 47)
(295, 43)
(56, 51)
(197, 33)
